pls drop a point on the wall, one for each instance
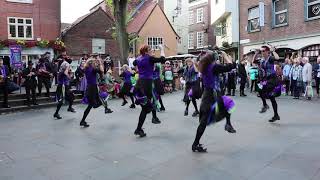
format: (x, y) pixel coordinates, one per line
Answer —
(158, 26)
(297, 24)
(79, 38)
(45, 13)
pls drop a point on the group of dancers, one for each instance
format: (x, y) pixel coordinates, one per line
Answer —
(202, 78)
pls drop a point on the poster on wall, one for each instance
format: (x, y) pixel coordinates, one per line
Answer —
(15, 56)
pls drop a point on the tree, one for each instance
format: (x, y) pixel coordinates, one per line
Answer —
(119, 8)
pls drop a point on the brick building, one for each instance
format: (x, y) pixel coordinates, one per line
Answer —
(290, 26)
(91, 33)
(200, 30)
(29, 20)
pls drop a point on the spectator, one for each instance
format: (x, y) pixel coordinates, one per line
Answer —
(253, 71)
(317, 75)
(286, 72)
(306, 75)
(30, 74)
(296, 78)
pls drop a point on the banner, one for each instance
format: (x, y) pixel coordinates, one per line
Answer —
(15, 56)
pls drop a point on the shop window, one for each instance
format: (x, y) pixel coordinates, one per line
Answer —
(280, 13)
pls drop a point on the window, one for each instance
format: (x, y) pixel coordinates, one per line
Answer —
(179, 6)
(200, 37)
(312, 9)
(253, 19)
(280, 12)
(224, 28)
(21, 1)
(191, 17)
(99, 46)
(154, 42)
(190, 41)
(199, 15)
(20, 28)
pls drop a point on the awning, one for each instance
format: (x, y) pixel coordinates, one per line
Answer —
(297, 43)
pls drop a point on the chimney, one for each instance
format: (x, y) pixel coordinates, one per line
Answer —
(161, 3)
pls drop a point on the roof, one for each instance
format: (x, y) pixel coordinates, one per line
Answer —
(142, 14)
(80, 19)
(64, 26)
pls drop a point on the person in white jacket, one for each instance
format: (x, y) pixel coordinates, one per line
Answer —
(306, 73)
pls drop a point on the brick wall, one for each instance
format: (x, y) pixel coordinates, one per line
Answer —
(209, 38)
(297, 26)
(79, 38)
(45, 13)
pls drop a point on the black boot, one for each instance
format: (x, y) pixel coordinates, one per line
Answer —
(107, 111)
(199, 148)
(56, 115)
(132, 106)
(124, 103)
(70, 109)
(264, 109)
(162, 108)
(275, 118)
(140, 133)
(195, 114)
(229, 128)
(155, 120)
(186, 112)
(84, 124)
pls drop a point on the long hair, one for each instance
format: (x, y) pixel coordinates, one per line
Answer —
(144, 50)
(206, 58)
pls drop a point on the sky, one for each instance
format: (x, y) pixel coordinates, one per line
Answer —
(73, 9)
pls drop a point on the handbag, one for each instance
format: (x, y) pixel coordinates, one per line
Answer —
(309, 91)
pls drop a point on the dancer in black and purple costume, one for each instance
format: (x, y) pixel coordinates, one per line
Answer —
(126, 89)
(145, 63)
(269, 87)
(93, 67)
(193, 89)
(214, 107)
(64, 80)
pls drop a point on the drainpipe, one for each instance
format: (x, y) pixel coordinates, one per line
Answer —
(239, 29)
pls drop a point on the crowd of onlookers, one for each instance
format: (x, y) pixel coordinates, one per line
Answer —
(296, 73)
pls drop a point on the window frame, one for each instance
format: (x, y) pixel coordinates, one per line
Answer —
(191, 40)
(198, 17)
(200, 32)
(248, 26)
(24, 24)
(155, 42)
(274, 14)
(306, 7)
(103, 48)
(191, 17)
(21, 1)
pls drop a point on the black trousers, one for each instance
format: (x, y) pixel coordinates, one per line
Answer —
(69, 96)
(288, 86)
(295, 88)
(31, 88)
(47, 84)
(243, 82)
(317, 84)
(253, 85)
(4, 88)
(207, 100)
(144, 86)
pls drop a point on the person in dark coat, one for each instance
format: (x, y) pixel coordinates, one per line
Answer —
(44, 73)
(4, 79)
(231, 82)
(30, 74)
(243, 77)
